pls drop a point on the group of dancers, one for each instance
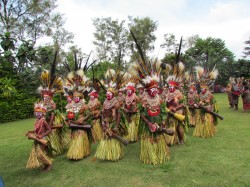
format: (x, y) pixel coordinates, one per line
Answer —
(236, 88)
(152, 102)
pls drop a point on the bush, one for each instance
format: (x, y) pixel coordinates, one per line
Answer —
(22, 106)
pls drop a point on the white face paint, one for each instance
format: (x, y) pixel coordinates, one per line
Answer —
(153, 91)
(46, 98)
(171, 88)
(129, 92)
(38, 115)
(109, 95)
(203, 90)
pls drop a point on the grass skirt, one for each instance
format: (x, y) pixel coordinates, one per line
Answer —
(109, 149)
(38, 157)
(96, 131)
(65, 138)
(205, 127)
(133, 128)
(79, 145)
(55, 139)
(172, 124)
(192, 116)
(154, 150)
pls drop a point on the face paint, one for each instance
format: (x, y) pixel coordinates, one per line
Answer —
(109, 95)
(46, 98)
(141, 90)
(92, 97)
(129, 92)
(38, 115)
(153, 92)
(120, 94)
(191, 90)
(171, 88)
(69, 99)
(76, 99)
(203, 90)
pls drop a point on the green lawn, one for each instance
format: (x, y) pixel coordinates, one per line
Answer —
(223, 160)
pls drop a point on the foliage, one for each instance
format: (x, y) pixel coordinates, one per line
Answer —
(20, 106)
(241, 68)
(26, 19)
(208, 53)
(170, 43)
(110, 39)
(246, 51)
(58, 33)
(14, 109)
(199, 162)
(113, 41)
(143, 29)
(7, 88)
(15, 58)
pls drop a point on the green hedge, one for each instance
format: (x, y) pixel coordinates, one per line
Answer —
(22, 106)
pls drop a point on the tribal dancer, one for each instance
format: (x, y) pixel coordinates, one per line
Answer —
(246, 97)
(235, 94)
(205, 121)
(94, 106)
(175, 104)
(154, 149)
(110, 147)
(39, 155)
(131, 113)
(79, 147)
(51, 85)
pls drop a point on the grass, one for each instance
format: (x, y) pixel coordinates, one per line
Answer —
(219, 161)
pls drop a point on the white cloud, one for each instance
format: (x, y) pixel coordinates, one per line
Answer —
(228, 21)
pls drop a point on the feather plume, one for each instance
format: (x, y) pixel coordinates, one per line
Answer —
(214, 74)
(199, 71)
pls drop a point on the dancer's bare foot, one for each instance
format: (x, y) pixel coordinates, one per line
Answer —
(47, 168)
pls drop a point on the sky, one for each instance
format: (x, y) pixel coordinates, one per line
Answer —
(228, 20)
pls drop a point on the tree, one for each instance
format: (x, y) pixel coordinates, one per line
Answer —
(26, 19)
(7, 87)
(211, 52)
(143, 29)
(58, 33)
(241, 68)
(246, 51)
(13, 57)
(110, 39)
(170, 43)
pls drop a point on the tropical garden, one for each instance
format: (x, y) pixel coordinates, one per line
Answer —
(219, 161)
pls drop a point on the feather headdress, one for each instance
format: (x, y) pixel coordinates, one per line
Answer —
(176, 74)
(51, 83)
(76, 82)
(39, 107)
(145, 72)
(206, 78)
(114, 80)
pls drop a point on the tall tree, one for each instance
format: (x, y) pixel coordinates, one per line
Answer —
(143, 29)
(58, 33)
(211, 52)
(110, 39)
(246, 51)
(26, 19)
(169, 43)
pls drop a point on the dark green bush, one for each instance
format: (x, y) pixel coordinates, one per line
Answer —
(21, 106)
